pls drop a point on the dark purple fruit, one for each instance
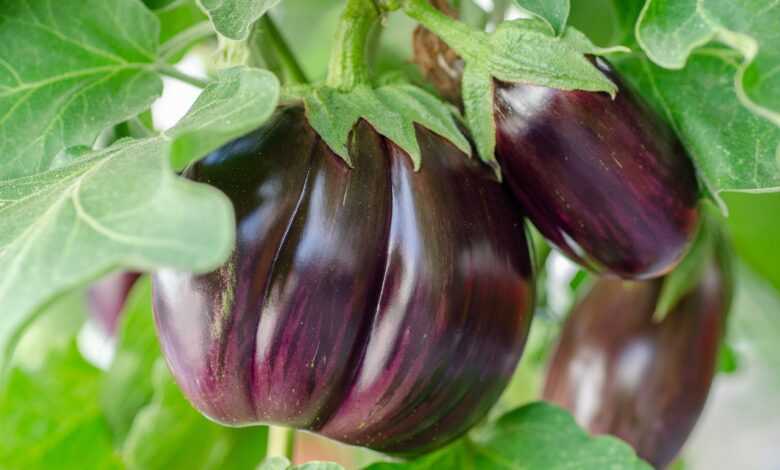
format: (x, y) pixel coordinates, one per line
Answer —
(376, 305)
(106, 299)
(605, 180)
(621, 373)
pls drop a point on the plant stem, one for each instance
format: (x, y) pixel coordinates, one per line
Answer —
(465, 40)
(348, 66)
(139, 128)
(173, 72)
(281, 442)
(185, 38)
(291, 68)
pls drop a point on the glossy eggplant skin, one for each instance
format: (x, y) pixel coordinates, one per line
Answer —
(375, 305)
(606, 181)
(621, 373)
(106, 298)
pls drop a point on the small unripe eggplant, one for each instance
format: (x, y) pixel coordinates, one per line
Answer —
(619, 372)
(607, 181)
(376, 305)
(106, 298)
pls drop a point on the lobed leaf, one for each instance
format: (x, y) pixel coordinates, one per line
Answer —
(65, 77)
(670, 30)
(538, 435)
(733, 148)
(123, 206)
(239, 100)
(234, 18)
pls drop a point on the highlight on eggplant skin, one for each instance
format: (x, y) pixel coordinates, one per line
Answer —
(607, 181)
(378, 306)
(621, 373)
(106, 298)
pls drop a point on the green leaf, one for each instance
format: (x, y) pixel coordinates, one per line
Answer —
(538, 435)
(122, 206)
(234, 18)
(613, 25)
(733, 148)
(669, 31)
(169, 434)
(709, 243)
(127, 385)
(728, 363)
(391, 109)
(64, 77)
(49, 415)
(553, 12)
(239, 100)
(281, 463)
(754, 225)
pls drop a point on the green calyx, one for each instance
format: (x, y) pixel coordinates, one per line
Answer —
(524, 51)
(710, 246)
(348, 67)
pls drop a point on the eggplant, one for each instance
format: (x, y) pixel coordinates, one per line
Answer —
(376, 305)
(619, 372)
(106, 298)
(606, 181)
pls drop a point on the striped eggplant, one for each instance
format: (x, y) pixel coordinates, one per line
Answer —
(621, 373)
(106, 299)
(376, 305)
(606, 181)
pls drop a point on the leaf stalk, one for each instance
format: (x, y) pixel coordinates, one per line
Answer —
(173, 72)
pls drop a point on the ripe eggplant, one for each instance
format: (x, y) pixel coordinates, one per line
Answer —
(607, 181)
(621, 373)
(375, 305)
(106, 298)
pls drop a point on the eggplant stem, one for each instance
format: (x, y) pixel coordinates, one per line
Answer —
(281, 442)
(348, 67)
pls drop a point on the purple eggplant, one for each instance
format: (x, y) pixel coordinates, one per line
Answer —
(607, 181)
(621, 373)
(376, 305)
(106, 298)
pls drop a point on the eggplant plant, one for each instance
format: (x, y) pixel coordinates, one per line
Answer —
(320, 216)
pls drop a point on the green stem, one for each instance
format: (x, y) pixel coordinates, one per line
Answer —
(348, 66)
(173, 72)
(466, 41)
(281, 442)
(184, 39)
(138, 128)
(293, 73)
